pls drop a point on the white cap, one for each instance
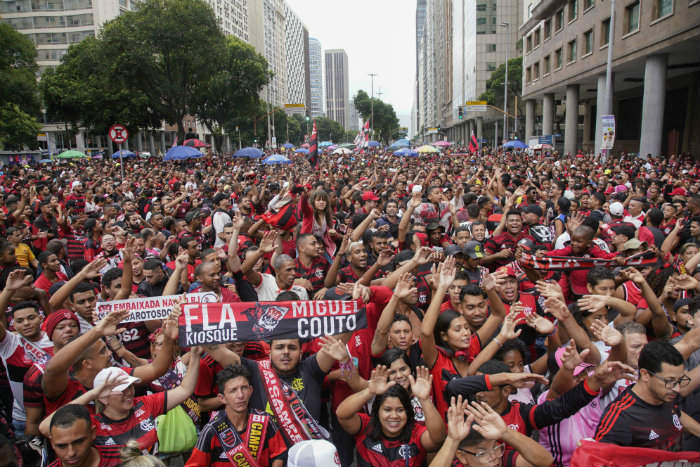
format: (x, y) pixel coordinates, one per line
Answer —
(570, 195)
(616, 209)
(117, 374)
(313, 453)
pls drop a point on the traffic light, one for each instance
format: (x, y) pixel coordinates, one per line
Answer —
(460, 111)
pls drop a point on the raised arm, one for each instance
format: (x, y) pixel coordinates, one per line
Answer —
(332, 276)
(405, 222)
(364, 225)
(496, 307)
(381, 334)
(15, 280)
(446, 275)
(179, 394)
(180, 266)
(659, 322)
(347, 411)
(91, 271)
(420, 388)
(559, 310)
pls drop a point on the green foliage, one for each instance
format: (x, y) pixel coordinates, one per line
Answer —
(386, 123)
(19, 94)
(494, 86)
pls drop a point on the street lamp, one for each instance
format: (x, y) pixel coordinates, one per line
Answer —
(307, 126)
(505, 83)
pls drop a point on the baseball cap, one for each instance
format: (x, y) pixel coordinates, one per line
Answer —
(313, 453)
(192, 215)
(533, 209)
(369, 196)
(453, 250)
(474, 250)
(579, 368)
(616, 209)
(434, 226)
(112, 373)
(509, 270)
(632, 244)
(679, 191)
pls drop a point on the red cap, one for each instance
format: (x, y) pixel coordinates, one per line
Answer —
(369, 196)
(680, 191)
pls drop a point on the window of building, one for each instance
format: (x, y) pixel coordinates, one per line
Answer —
(604, 32)
(573, 9)
(588, 4)
(536, 70)
(559, 20)
(571, 51)
(490, 66)
(546, 65)
(588, 42)
(548, 29)
(481, 7)
(528, 43)
(490, 47)
(662, 8)
(537, 37)
(631, 17)
(558, 58)
(528, 74)
(481, 20)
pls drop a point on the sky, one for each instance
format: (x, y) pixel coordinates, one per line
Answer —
(379, 37)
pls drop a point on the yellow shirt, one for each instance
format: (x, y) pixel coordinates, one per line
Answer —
(24, 255)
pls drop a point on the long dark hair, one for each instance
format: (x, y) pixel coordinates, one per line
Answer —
(391, 355)
(374, 429)
(442, 325)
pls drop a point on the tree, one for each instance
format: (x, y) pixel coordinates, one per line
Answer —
(386, 123)
(233, 90)
(494, 86)
(19, 94)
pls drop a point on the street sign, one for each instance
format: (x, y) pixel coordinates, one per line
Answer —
(547, 139)
(476, 106)
(118, 133)
(432, 131)
(294, 106)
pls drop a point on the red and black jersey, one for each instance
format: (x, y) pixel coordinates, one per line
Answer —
(421, 273)
(389, 452)
(444, 371)
(135, 339)
(109, 457)
(206, 381)
(208, 451)
(33, 393)
(316, 273)
(139, 425)
(500, 242)
(347, 274)
(629, 421)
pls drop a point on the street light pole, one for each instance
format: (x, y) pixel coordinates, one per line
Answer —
(371, 106)
(505, 84)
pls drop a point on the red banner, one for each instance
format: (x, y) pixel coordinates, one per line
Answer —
(593, 454)
(569, 263)
(215, 323)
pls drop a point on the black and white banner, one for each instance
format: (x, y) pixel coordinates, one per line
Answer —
(150, 308)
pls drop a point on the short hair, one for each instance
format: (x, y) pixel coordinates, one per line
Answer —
(280, 260)
(632, 327)
(55, 246)
(599, 273)
(473, 210)
(514, 212)
(287, 296)
(302, 237)
(110, 276)
(44, 256)
(392, 355)
(206, 252)
(81, 288)
(184, 241)
(564, 205)
(152, 263)
(67, 415)
(655, 216)
(231, 372)
(657, 352)
(398, 317)
(494, 366)
(471, 289)
(587, 232)
(513, 344)
(26, 304)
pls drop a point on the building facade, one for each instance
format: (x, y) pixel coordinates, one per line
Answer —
(232, 16)
(655, 73)
(337, 86)
(297, 59)
(316, 77)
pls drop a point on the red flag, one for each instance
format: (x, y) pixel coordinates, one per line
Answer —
(473, 144)
(313, 148)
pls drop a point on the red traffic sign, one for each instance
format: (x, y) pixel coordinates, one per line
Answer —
(118, 133)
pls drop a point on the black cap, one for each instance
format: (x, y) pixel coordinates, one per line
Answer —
(191, 215)
(453, 250)
(434, 226)
(533, 209)
(474, 250)
(624, 229)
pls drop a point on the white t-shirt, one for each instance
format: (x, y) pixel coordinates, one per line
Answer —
(219, 220)
(18, 354)
(268, 290)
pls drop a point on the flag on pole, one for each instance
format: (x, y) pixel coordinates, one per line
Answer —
(365, 130)
(313, 148)
(473, 144)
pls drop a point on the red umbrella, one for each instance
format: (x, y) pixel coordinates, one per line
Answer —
(195, 143)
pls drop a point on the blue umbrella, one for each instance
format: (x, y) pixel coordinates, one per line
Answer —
(324, 144)
(302, 151)
(515, 144)
(124, 154)
(179, 153)
(46, 161)
(250, 152)
(400, 143)
(276, 159)
(287, 145)
(406, 153)
(372, 144)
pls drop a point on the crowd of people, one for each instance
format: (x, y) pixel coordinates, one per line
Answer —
(516, 304)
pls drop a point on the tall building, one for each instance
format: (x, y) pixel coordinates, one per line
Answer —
(655, 74)
(274, 30)
(232, 16)
(337, 87)
(54, 25)
(297, 60)
(354, 122)
(316, 77)
(420, 30)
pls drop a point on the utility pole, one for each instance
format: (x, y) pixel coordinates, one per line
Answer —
(371, 105)
(505, 83)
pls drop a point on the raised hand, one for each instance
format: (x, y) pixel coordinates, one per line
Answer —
(609, 372)
(422, 255)
(379, 381)
(108, 326)
(404, 287)
(458, 427)
(92, 270)
(517, 379)
(493, 280)
(385, 257)
(334, 347)
(447, 272)
(269, 241)
(237, 220)
(608, 334)
(508, 331)
(106, 388)
(421, 384)
(361, 291)
(571, 358)
(128, 251)
(182, 260)
(686, 282)
(550, 289)
(557, 308)
(487, 422)
(592, 303)
(18, 279)
(345, 243)
(539, 323)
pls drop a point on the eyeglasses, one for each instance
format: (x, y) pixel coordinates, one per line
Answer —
(681, 382)
(496, 451)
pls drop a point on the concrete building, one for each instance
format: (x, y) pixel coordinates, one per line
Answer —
(655, 73)
(232, 16)
(354, 122)
(274, 31)
(337, 86)
(297, 60)
(316, 77)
